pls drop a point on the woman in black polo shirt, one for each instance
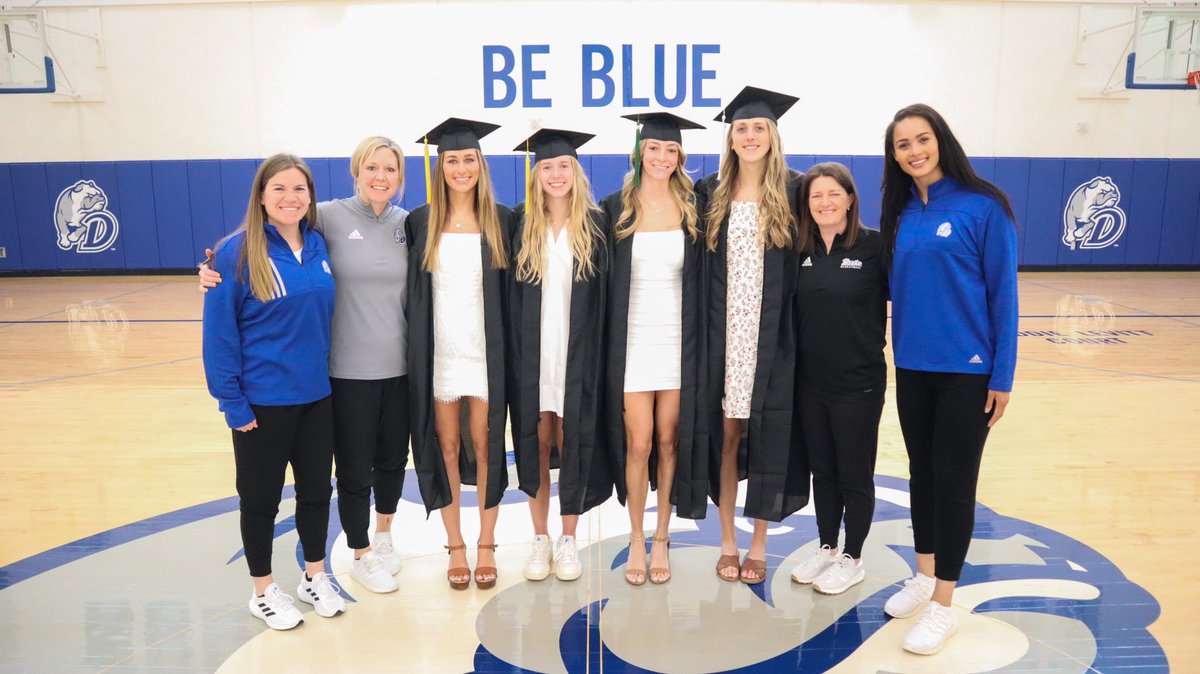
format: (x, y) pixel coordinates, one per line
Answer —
(842, 295)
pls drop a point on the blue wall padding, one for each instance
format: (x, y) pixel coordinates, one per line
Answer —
(170, 210)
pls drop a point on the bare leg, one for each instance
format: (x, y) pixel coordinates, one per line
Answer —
(487, 516)
(445, 421)
(539, 505)
(639, 430)
(731, 438)
(666, 426)
(758, 548)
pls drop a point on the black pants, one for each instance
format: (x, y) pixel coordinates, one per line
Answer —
(303, 436)
(370, 421)
(944, 426)
(842, 439)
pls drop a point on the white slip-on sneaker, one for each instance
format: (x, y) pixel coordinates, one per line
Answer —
(276, 608)
(840, 576)
(807, 570)
(935, 626)
(370, 572)
(383, 546)
(325, 597)
(566, 559)
(910, 598)
(538, 566)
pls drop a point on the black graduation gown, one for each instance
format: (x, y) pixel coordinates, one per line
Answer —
(427, 454)
(584, 479)
(689, 493)
(776, 464)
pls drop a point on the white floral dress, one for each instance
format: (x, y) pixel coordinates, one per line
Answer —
(743, 307)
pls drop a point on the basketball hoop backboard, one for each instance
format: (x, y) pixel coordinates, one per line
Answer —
(25, 64)
(1166, 47)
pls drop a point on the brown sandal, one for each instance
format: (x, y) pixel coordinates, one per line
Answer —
(484, 583)
(728, 562)
(659, 569)
(635, 577)
(458, 570)
(758, 565)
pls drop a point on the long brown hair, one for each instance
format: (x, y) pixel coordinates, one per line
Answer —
(254, 258)
(774, 211)
(679, 185)
(485, 212)
(808, 227)
(582, 232)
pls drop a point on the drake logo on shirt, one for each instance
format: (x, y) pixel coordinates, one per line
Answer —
(82, 219)
(1092, 218)
(944, 230)
(325, 266)
(847, 263)
(399, 236)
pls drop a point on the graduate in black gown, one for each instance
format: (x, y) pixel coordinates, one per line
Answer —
(560, 268)
(462, 363)
(654, 338)
(751, 267)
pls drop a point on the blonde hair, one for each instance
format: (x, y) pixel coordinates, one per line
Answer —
(582, 232)
(253, 255)
(777, 221)
(485, 212)
(366, 148)
(679, 185)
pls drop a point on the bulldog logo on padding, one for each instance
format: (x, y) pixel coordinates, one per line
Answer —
(1092, 218)
(82, 219)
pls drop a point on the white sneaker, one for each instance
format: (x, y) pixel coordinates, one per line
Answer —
(911, 598)
(322, 594)
(566, 559)
(840, 576)
(370, 572)
(538, 566)
(806, 571)
(276, 608)
(382, 546)
(936, 625)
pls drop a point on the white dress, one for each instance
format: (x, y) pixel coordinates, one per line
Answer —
(459, 343)
(556, 323)
(652, 346)
(743, 307)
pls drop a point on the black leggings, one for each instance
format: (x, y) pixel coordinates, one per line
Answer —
(842, 439)
(303, 436)
(370, 422)
(944, 426)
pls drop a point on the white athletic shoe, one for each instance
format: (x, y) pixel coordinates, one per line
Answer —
(370, 572)
(382, 546)
(538, 566)
(911, 598)
(322, 594)
(566, 559)
(276, 608)
(935, 626)
(840, 576)
(820, 559)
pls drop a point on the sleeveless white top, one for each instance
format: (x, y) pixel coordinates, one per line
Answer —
(556, 323)
(459, 344)
(652, 346)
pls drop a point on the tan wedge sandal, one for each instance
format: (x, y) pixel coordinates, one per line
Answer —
(458, 570)
(485, 583)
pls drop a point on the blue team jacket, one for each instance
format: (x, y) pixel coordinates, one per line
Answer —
(274, 352)
(954, 285)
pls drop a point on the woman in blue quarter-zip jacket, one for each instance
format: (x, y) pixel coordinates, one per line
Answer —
(266, 355)
(950, 241)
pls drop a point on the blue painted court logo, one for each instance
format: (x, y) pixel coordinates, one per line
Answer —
(1092, 219)
(82, 220)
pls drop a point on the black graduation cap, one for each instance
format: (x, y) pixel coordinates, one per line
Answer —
(753, 102)
(457, 134)
(551, 143)
(662, 125)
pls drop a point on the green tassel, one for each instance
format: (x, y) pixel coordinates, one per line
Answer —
(637, 155)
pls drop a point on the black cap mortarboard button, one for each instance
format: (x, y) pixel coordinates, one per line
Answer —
(551, 143)
(457, 134)
(662, 125)
(752, 102)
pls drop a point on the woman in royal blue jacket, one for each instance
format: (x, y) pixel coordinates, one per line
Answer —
(266, 359)
(950, 240)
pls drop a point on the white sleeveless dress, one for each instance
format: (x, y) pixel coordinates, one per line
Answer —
(556, 323)
(459, 343)
(652, 347)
